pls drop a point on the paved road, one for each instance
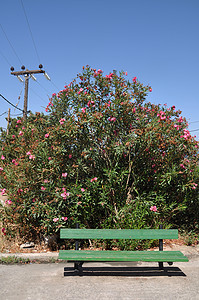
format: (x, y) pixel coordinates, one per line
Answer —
(101, 281)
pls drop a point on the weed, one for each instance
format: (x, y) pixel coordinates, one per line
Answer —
(11, 260)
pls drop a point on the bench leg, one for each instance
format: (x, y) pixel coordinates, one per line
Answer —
(161, 267)
(78, 265)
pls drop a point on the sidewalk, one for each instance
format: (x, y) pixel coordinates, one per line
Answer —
(107, 281)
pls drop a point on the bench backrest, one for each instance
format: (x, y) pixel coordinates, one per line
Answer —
(67, 233)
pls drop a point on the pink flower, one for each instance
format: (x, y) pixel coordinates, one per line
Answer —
(13, 136)
(55, 219)
(64, 218)
(186, 135)
(3, 191)
(28, 153)
(64, 195)
(162, 117)
(61, 121)
(150, 89)
(2, 157)
(80, 90)
(43, 188)
(3, 229)
(70, 156)
(94, 179)
(194, 186)
(9, 202)
(112, 119)
(32, 157)
(83, 109)
(173, 107)
(64, 174)
(20, 132)
(180, 120)
(18, 121)
(1, 169)
(110, 75)
(49, 158)
(47, 135)
(14, 162)
(153, 208)
(99, 71)
(134, 79)
(182, 166)
(46, 180)
(177, 127)
(82, 190)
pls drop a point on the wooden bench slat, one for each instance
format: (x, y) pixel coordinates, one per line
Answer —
(66, 233)
(87, 255)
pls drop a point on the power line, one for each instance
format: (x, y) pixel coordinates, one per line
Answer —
(194, 122)
(15, 115)
(194, 130)
(10, 44)
(5, 112)
(30, 31)
(54, 85)
(38, 95)
(34, 41)
(43, 87)
(11, 103)
(19, 97)
(5, 58)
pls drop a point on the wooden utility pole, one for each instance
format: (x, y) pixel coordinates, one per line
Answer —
(25, 108)
(8, 121)
(27, 73)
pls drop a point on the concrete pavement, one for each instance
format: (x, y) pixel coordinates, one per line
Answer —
(101, 280)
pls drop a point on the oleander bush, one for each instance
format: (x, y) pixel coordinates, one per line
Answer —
(102, 156)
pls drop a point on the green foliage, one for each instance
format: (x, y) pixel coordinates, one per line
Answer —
(102, 157)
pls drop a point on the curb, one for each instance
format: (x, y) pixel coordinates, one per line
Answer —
(48, 257)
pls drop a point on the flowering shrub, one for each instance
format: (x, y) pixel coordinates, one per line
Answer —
(102, 157)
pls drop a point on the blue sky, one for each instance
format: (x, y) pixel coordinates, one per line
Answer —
(157, 41)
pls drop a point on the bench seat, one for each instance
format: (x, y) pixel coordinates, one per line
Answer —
(108, 256)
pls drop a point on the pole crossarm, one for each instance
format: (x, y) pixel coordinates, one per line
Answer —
(27, 72)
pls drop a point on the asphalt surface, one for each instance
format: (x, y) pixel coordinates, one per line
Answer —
(100, 280)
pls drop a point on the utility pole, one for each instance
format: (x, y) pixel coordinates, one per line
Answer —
(28, 74)
(25, 108)
(8, 121)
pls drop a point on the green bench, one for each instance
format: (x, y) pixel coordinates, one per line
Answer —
(80, 256)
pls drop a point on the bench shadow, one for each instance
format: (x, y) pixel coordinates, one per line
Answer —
(124, 271)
